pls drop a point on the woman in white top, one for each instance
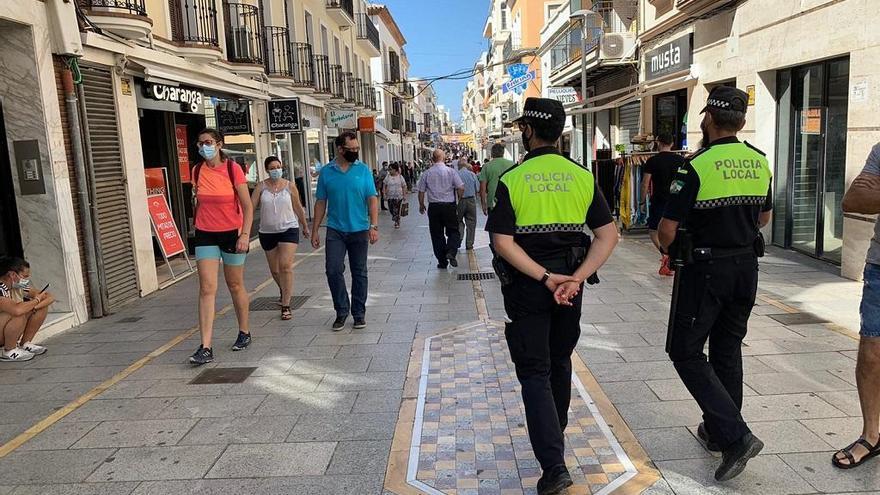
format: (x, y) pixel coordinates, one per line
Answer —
(281, 217)
(394, 189)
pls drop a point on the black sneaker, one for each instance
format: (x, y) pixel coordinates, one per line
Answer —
(453, 262)
(203, 355)
(554, 480)
(359, 323)
(441, 266)
(703, 435)
(243, 340)
(734, 459)
(339, 323)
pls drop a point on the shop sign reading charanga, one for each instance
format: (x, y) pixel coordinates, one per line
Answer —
(189, 99)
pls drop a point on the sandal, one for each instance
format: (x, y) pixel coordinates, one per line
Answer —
(285, 313)
(847, 452)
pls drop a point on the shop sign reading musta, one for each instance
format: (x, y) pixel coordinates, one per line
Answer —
(669, 58)
(190, 99)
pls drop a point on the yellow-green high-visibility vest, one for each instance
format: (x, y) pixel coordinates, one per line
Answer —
(549, 193)
(733, 174)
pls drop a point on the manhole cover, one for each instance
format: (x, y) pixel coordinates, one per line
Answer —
(271, 303)
(222, 375)
(476, 276)
(131, 319)
(798, 319)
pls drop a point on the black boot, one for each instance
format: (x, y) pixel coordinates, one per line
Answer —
(554, 480)
(735, 457)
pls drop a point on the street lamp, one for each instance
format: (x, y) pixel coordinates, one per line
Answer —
(583, 15)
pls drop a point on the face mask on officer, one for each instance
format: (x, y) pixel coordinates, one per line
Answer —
(704, 126)
(525, 139)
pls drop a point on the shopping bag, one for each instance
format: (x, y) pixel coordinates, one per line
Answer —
(404, 208)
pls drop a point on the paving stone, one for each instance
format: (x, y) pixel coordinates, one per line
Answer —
(795, 382)
(58, 436)
(611, 342)
(614, 372)
(67, 466)
(374, 401)
(786, 437)
(342, 382)
(28, 412)
(140, 433)
(76, 489)
(360, 457)
(846, 401)
(333, 365)
(284, 459)
(592, 356)
(174, 388)
(127, 389)
(250, 429)
(157, 463)
(325, 485)
(664, 444)
(202, 487)
(341, 339)
(836, 432)
(213, 407)
(817, 469)
(629, 392)
(276, 384)
(119, 409)
(661, 414)
(784, 407)
(764, 475)
(307, 404)
(340, 427)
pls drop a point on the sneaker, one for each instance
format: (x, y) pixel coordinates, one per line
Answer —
(17, 354)
(453, 262)
(703, 435)
(243, 340)
(34, 349)
(554, 480)
(339, 323)
(734, 459)
(203, 355)
(359, 323)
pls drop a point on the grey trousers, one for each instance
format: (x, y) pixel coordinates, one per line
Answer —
(467, 217)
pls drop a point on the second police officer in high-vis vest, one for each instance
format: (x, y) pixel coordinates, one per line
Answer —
(721, 198)
(544, 207)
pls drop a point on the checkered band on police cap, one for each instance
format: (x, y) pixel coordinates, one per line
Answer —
(544, 109)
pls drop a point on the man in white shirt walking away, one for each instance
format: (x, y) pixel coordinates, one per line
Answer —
(441, 186)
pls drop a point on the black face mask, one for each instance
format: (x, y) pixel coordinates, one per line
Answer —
(350, 156)
(526, 145)
(705, 135)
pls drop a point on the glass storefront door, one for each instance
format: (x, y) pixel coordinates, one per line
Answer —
(10, 234)
(811, 156)
(670, 117)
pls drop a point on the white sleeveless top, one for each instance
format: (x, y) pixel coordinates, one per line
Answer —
(276, 211)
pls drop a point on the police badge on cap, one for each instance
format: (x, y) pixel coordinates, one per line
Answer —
(727, 98)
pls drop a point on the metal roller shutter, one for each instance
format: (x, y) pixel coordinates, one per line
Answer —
(119, 276)
(628, 123)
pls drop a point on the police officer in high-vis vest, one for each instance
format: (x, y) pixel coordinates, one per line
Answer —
(719, 201)
(544, 207)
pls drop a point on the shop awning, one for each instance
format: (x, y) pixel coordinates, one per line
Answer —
(380, 129)
(632, 93)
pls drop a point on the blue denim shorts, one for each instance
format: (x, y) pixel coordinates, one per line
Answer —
(870, 309)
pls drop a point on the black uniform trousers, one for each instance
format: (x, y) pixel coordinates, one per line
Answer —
(443, 224)
(715, 300)
(541, 337)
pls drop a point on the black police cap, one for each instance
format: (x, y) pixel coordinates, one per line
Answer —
(543, 109)
(727, 98)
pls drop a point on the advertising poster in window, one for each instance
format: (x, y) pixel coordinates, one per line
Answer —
(182, 153)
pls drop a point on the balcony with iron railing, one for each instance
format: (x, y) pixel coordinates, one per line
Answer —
(370, 97)
(277, 42)
(125, 18)
(194, 29)
(348, 88)
(323, 81)
(301, 65)
(396, 122)
(392, 68)
(368, 35)
(342, 12)
(357, 86)
(405, 89)
(244, 34)
(337, 84)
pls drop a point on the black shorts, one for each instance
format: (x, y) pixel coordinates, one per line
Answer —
(224, 240)
(655, 214)
(270, 241)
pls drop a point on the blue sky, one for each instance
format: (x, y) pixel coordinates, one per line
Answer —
(443, 36)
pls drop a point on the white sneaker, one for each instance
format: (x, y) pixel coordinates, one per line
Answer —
(34, 349)
(17, 354)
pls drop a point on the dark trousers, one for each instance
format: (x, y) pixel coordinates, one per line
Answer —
(394, 207)
(715, 300)
(541, 337)
(443, 224)
(356, 245)
(467, 221)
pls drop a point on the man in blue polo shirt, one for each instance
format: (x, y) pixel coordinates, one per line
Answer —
(346, 193)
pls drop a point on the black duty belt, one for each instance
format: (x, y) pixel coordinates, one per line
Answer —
(706, 254)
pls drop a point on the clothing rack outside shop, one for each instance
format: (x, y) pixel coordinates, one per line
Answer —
(620, 180)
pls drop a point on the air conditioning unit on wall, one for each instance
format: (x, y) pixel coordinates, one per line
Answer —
(617, 46)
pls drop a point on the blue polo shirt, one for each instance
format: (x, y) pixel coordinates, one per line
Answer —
(346, 194)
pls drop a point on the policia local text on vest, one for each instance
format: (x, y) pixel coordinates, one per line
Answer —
(718, 202)
(544, 207)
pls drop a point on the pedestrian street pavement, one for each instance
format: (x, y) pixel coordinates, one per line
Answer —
(425, 399)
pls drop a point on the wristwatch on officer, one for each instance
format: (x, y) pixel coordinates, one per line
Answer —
(545, 278)
(374, 227)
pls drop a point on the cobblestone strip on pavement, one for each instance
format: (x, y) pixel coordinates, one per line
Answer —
(463, 432)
